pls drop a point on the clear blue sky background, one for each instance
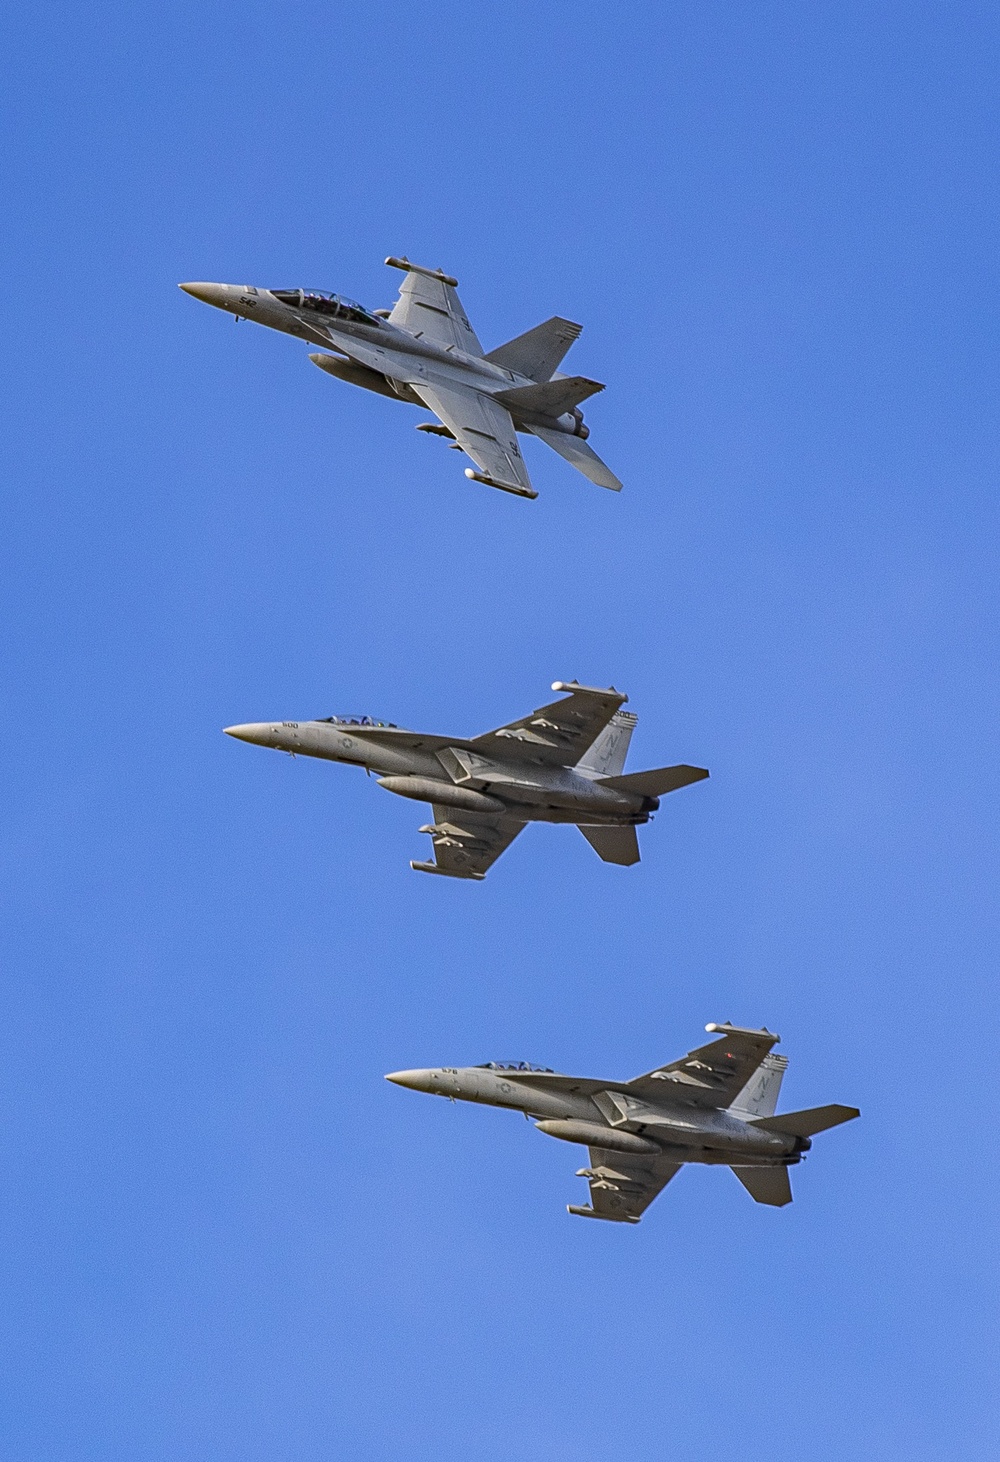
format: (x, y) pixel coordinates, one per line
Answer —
(223, 1235)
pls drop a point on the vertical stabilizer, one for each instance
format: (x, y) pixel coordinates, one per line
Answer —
(606, 756)
(760, 1095)
(537, 353)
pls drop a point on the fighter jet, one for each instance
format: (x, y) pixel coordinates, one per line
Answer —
(562, 763)
(715, 1105)
(425, 351)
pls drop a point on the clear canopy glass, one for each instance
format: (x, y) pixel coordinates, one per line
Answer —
(513, 1066)
(322, 302)
(356, 721)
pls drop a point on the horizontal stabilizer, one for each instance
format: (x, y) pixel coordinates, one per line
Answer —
(579, 455)
(656, 783)
(613, 844)
(809, 1122)
(537, 353)
(551, 398)
(766, 1185)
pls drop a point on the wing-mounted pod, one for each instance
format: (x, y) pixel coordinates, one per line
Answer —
(409, 268)
(429, 306)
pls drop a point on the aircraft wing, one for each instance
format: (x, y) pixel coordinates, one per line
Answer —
(466, 844)
(482, 428)
(711, 1076)
(621, 1186)
(558, 734)
(429, 307)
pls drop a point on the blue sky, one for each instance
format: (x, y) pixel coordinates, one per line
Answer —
(223, 1235)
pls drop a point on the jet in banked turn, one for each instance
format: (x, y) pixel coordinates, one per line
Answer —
(425, 351)
(562, 763)
(715, 1105)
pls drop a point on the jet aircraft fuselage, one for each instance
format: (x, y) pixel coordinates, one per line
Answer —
(414, 766)
(561, 763)
(668, 1128)
(716, 1105)
(424, 351)
(320, 317)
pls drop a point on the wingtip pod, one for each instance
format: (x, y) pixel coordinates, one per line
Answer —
(569, 686)
(421, 867)
(582, 1212)
(511, 487)
(726, 1028)
(403, 263)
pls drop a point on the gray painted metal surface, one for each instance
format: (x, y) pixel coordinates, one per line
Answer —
(424, 351)
(715, 1105)
(561, 763)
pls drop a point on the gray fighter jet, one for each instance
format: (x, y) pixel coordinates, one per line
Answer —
(715, 1105)
(562, 763)
(425, 351)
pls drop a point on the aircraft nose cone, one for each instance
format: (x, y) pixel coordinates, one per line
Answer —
(415, 1080)
(210, 294)
(258, 733)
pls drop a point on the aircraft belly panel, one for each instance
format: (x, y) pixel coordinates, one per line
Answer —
(546, 785)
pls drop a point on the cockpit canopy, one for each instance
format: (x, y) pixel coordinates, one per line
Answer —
(356, 721)
(513, 1066)
(322, 302)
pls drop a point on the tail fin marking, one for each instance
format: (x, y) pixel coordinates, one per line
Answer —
(760, 1095)
(606, 755)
